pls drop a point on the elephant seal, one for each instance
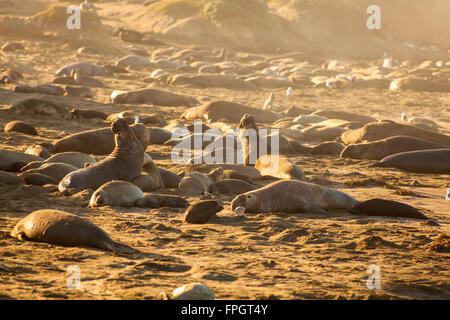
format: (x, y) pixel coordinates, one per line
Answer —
(420, 161)
(231, 186)
(153, 96)
(374, 131)
(228, 111)
(19, 126)
(116, 193)
(279, 166)
(38, 151)
(170, 179)
(83, 80)
(342, 115)
(160, 200)
(88, 114)
(63, 228)
(124, 163)
(328, 148)
(55, 170)
(195, 183)
(37, 106)
(81, 92)
(292, 196)
(95, 141)
(9, 157)
(10, 76)
(379, 149)
(201, 211)
(85, 68)
(42, 89)
(387, 208)
(37, 178)
(76, 159)
(9, 178)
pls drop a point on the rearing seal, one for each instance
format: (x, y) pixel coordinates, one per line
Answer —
(124, 163)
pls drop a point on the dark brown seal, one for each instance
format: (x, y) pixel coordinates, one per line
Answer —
(387, 208)
(63, 228)
(201, 211)
(19, 126)
(160, 200)
(124, 163)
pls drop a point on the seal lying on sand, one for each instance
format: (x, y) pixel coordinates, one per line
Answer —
(292, 196)
(379, 149)
(8, 157)
(124, 163)
(388, 208)
(279, 166)
(116, 193)
(195, 183)
(153, 96)
(420, 161)
(59, 227)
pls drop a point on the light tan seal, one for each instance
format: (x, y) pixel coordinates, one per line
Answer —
(63, 228)
(292, 196)
(279, 166)
(195, 183)
(116, 193)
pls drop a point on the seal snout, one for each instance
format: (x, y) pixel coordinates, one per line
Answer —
(238, 205)
(119, 125)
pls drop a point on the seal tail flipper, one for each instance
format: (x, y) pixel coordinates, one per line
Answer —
(123, 249)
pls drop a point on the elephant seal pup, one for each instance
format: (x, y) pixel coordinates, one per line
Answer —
(63, 228)
(195, 183)
(9, 157)
(37, 106)
(387, 208)
(231, 186)
(328, 148)
(76, 159)
(379, 149)
(88, 114)
(279, 166)
(420, 161)
(116, 193)
(19, 126)
(38, 151)
(201, 211)
(153, 96)
(160, 200)
(124, 163)
(82, 92)
(43, 89)
(291, 196)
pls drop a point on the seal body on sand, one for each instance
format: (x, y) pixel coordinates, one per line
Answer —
(82, 92)
(55, 170)
(8, 157)
(96, 141)
(63, 228)
(160, 200)
(43, 89)
(37, 179)
(85, 68)
(153, 96)
(76, 159)
(124, 163)
(9, 178)
(195, 183)
(279, 166)
(228, 111)
(231, 186)
(292, 196)
(116, 193)
(379, 149)
(387, 208)
(19, 126)
(37, 106)
(328, 148)
(38, 151)
(88, 114)
(201, 211)
(384, 129)
(420, 161)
